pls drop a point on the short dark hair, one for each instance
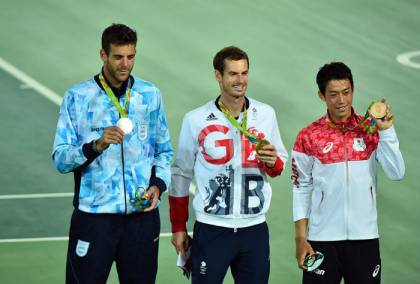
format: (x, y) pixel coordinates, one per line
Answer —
(231, 53)
(118, 34)
(333, 71)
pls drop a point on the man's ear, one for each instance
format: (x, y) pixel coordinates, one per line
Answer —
(103, 55)
(218, 75)
(321, 96)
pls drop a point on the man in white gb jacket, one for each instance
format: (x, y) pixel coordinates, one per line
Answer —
(217, 146)
(334, 174)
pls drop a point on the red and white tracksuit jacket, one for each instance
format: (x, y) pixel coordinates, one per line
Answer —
(334, 175)
(232, 188)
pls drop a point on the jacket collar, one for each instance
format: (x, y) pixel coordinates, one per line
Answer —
(350, 122)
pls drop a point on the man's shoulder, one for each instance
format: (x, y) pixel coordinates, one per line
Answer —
(143, 86)
(84, 88)
(313, 127)
(202, 111)
(255, 105)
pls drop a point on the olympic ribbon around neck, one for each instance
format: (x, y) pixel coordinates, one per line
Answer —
(368, 126)
(254, 139)
(123, 110)
(241, 127)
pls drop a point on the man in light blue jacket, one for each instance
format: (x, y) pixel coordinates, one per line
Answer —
(113, 135)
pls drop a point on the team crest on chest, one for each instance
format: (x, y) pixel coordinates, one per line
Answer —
(142, 131)
(359, 144)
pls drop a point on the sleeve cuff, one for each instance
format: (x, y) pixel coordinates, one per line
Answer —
(88, 151)
(159, 183)
(276, 170)
(179, 227)
(154, 180)
(178, 213)
(390, 132)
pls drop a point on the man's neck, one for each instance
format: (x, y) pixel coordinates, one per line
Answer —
(111, 80)
(234, 105)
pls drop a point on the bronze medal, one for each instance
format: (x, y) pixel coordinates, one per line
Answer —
(378, 110)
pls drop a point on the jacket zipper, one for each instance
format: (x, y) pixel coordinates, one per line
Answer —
(346, 207)
(123, 176)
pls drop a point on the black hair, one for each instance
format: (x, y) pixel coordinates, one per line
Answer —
(333, 71)
(118, 34)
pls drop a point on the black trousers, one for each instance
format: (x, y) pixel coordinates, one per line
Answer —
(358, 262)
(245, 250)
(97, 240)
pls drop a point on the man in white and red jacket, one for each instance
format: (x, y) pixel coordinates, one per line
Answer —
(217, 147)
(334, 174)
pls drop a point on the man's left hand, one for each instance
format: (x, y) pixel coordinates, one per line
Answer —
(268, 155)
(388, 120)
(153, 197)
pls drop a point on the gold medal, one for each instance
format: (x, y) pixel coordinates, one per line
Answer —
(260, 144)
(378, 110)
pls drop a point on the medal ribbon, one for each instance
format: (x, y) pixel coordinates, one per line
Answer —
(368, 127)
(241, 127)
(123, 110)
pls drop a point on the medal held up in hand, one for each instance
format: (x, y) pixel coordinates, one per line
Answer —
(124, 123)
(378, 110)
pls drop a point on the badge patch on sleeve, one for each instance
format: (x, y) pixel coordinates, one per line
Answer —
(82, 248)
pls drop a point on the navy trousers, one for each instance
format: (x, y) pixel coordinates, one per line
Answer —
(97, 240)
(245, 250)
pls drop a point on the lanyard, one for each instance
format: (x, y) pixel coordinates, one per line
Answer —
(123, 110)
(241, 127)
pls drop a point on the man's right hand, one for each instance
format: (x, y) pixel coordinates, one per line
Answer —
(180, 241)
(303, 248)
(111, 135)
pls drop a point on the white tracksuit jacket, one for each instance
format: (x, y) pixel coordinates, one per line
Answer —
(334, 175)
(232, 187)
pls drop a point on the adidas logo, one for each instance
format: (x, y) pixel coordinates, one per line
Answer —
(211, 117)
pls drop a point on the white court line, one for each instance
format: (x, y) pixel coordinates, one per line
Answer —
(405, 59)
(31, 82)
(37, 195)
(54, 195)
(53, 239)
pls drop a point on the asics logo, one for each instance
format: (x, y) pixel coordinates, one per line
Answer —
(328, 147)
(376, 271)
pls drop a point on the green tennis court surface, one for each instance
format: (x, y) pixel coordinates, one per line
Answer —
(57, 45)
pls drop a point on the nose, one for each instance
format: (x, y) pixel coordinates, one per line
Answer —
(341, 98)
(124, 62)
